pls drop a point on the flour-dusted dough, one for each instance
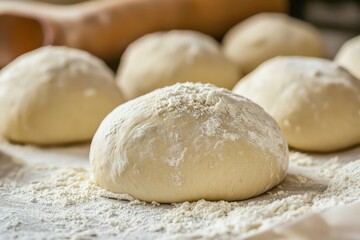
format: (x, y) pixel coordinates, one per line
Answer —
(55, 95)
(267, 35)
(165, 58)
(315, 101)
(188, 142)
(349, 56)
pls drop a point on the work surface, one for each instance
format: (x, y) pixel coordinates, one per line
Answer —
(49, 193)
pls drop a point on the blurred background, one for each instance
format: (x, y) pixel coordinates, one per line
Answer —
(338, 20)
(37, 24)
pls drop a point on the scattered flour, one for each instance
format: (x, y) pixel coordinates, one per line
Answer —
(54, 202)
(302, 159)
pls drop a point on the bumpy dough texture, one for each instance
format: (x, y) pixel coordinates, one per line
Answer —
(267, 35)
(55, 95)
(188, 142)
(349, 56)
(165, 58)
(315, 101)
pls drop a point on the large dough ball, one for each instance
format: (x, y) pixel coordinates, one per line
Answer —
(267, 35)
(164, 58)
(188, 142)
(349, 56)
(55, 95)
(315, 102)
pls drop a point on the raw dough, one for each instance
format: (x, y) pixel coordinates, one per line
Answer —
(268, 35)
(315, 102)
(188, 142)
(349, 56)
(164, 58)
(55, 95)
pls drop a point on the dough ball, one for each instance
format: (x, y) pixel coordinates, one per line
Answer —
(187, 142)
(349, 56)
(315, 102)
(164, 58)
(55, 95)
(267, 35)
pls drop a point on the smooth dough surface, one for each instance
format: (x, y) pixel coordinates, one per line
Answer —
(165, 58)
(55, 95)
(267, 35)
(315, 101)
(188, 142)
(349, 56)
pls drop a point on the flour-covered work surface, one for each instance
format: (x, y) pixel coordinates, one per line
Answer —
(49, 193)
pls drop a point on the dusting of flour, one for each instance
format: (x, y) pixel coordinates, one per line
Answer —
(244, 120)
(45, 200)
(187, 126)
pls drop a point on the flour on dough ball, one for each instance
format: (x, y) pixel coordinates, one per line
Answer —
(267, 35)
(187, 142)
(165, 58)
(349, 56)
(315, 101)
(55, 95)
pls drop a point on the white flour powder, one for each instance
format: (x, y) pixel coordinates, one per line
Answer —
(55, 202)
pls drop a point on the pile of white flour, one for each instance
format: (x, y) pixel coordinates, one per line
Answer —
(49, 194)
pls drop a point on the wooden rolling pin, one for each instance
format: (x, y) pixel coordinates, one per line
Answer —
(105, 28)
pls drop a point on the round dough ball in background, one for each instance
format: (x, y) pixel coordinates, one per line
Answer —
(165, 58)
(315, 101)
(187, 142)
(349, 56)
(267, 35)
(55, 95)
